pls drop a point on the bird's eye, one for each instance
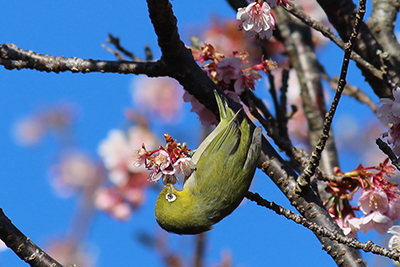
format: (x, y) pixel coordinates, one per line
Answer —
(170, 197)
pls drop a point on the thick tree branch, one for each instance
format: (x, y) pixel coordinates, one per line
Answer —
(23, 246)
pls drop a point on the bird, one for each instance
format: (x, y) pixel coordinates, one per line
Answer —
(225, 165)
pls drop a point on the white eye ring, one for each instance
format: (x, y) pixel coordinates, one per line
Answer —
(170, 197)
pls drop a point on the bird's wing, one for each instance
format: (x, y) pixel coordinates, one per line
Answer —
(224, 143)
(226, 115)
(254, 149)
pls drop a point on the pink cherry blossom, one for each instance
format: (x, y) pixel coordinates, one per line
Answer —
(374, 220)
(394, 241)
(389, 112)
(257, 19)
(163, 168)
(379, 210)
(247, 79)
(230, 68)
(110, 200)
(118, 149)
(374, 200)
(343, 223)
(185, 166)
(31, 130)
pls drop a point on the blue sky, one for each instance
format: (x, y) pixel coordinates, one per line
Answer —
(254, 236)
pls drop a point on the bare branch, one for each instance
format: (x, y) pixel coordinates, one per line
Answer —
(115, 41)
(322, 231)
(352, 91)
(389, 152)
(23, 246)
(13, 57)
(299, 46)
(316, 155)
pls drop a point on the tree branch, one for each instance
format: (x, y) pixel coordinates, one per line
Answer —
(382, 21)
(25, 249)
(316, 155)
(341, 14)
(13, 57)
(322, 231)
(299, 46)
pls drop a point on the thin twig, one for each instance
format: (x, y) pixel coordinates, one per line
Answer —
(115, 41)
(351, 91)
(304, 179)
(389, 152)
(322, 231)
(114, 52)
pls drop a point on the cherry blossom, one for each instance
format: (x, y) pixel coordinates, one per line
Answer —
(184, 166)
(266, 65)
(109, 200)
(165, 162)
(394, 241)
(256, 19)
(389, 112)
(228, 69)
(119, 154)
(247, 79)
(374, 220)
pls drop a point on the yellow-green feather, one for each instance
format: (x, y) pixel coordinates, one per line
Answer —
(225, 164)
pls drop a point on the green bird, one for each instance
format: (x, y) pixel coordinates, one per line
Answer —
(225, 164)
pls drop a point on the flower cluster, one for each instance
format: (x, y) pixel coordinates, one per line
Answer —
(379, 201)
(126, 192)
(257, 18)
(165, 162)
(228, 73)
(389, 113)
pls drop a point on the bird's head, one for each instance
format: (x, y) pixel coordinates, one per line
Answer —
(179, 212)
